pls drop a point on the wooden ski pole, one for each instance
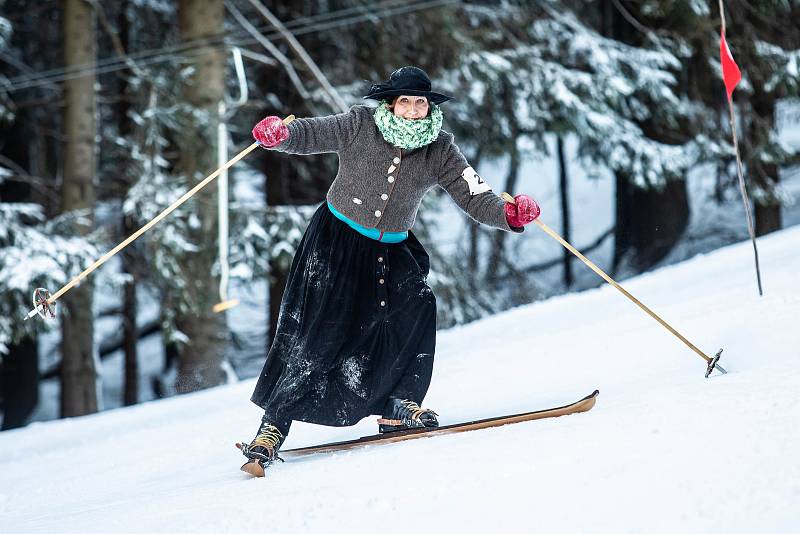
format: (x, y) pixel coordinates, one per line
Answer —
(712, 362)
(186, 196)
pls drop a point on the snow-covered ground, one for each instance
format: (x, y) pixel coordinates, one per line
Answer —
(664, 450)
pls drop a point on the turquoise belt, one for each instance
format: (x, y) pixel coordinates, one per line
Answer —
(372, 233)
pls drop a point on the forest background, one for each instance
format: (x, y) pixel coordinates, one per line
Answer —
(613, 111)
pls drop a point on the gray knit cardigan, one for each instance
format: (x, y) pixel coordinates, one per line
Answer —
(380, 185)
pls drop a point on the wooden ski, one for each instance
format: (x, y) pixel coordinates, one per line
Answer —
(583, 405)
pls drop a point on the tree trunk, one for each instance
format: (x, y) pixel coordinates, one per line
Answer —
(565, 215)
(648, 222)
(768, 218)
(277, 170)
(474, 226)
(500, 237)
(474, 232)
(20, 383)
(200, 358)
(507, 105)
(130, 256)
(767, 212)
(130, 335)
(79, 376)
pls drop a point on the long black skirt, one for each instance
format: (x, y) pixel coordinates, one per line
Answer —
(357, 324)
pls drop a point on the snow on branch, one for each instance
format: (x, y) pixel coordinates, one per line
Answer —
(568, 78)
(34, 253)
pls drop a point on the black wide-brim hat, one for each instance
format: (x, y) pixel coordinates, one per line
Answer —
(406, 81)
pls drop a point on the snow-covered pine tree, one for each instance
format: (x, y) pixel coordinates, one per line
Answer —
(170, 244)
(6, 115)
(79, 128)
(763, 37)
(33, 253)
(257, 236)
(5, 112)
(621, 101)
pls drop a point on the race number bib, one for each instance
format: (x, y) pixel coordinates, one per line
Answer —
(475, 182)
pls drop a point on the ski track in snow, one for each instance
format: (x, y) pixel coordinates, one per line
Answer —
(664, 450)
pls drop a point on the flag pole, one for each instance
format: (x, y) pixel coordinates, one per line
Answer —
(742, 187)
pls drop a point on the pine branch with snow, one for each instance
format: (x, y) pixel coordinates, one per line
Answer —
(620, 100)
(34, 253)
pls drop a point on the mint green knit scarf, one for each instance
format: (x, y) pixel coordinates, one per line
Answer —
(406, 133)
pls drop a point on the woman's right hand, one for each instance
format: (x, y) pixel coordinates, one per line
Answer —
(522, 211)
(270, 131)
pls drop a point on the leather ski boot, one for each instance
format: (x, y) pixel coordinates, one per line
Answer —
(404, 414)
(263, 450)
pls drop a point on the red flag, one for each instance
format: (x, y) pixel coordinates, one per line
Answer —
(730, 71)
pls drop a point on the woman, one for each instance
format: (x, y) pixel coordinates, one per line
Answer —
(356, 330)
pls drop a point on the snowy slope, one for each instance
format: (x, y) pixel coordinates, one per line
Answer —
(663, 451)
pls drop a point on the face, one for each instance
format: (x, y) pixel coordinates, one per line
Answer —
(411, 107)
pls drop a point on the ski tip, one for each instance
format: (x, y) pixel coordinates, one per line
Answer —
(588, 402)
(253, 468)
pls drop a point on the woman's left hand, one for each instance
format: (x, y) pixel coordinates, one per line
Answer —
(270, 131)
(525, 210)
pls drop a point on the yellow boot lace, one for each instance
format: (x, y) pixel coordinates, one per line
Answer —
(268, 437)
(415, 410)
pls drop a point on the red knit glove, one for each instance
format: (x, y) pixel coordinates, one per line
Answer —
(270, 131)
(523, 212)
